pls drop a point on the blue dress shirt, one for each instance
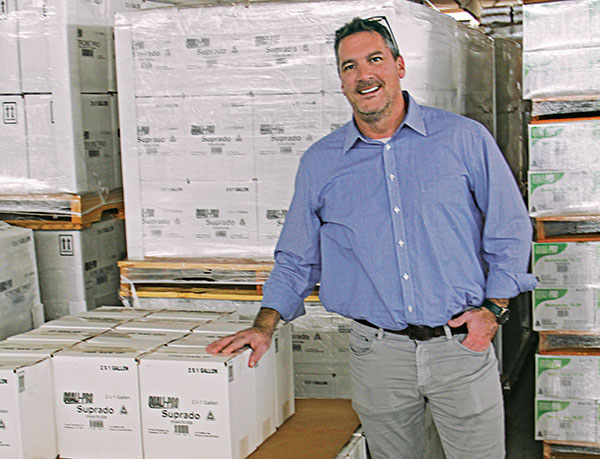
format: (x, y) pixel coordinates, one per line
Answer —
(411, 231)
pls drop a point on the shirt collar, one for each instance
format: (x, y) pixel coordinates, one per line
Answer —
(413, 119)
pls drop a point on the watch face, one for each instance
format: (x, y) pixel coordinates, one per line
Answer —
(503, 317)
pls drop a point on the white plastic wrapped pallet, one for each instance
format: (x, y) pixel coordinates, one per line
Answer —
(275, 61)
(20, 306)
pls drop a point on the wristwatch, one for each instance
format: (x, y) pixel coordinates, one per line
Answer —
(502, 314)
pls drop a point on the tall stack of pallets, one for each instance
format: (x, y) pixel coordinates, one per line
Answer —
(561, 76)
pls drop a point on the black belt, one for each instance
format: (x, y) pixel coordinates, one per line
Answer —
(418, 332)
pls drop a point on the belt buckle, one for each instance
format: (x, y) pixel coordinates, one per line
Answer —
(419, 332)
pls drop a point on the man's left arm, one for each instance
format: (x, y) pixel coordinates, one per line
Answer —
(506, 238)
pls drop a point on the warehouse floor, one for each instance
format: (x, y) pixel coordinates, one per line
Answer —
(520, 442)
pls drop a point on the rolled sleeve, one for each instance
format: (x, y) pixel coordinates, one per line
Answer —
(502, 284)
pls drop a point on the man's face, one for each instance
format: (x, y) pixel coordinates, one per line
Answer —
(370, 75)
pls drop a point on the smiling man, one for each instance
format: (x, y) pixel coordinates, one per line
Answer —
(411, 221)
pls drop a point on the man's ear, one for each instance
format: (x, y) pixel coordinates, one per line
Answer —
(400, 67)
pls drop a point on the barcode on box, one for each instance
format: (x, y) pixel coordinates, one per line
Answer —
(182, 429)
(96, 424)
(562, 268)
(156, 232)
(559, 197)
(216, 150)
(565, 382)
(87, 52)
(93, 153)
(221, 233)
(562, 313)
(146, 65)
(286, 150)
(564, 424)
(101, 279)
(296, 347)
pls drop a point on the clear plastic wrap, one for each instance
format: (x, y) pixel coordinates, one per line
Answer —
(561, 49)
(566, 420)
(566, 308)
(20, 305)
(239, 100)
(567, 377)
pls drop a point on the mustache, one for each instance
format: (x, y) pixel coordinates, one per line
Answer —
(365, 84)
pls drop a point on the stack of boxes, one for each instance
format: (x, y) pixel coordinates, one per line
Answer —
(214, 120)
(59, 130)
(560, 72)
(138, 383)
(20, 306)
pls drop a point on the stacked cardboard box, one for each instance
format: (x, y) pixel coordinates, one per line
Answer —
(20, 306)
(561, 49)
(214, 121)
(138, 383)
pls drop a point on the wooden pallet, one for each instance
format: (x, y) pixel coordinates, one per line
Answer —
(565, 107)
(568, 228)
(61, 211)
(566, 342)
(568, 450)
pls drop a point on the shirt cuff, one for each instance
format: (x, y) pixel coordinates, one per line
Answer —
(284, 300)
(502, 284)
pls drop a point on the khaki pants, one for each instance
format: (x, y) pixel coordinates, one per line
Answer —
(394, 377)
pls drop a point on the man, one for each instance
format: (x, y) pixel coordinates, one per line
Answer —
(411, 220)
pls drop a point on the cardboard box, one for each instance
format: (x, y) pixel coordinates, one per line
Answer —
(566, 263)
(78, 269)
(27, 408)
(71, 142)
(93, 326)
(563, 192)
(201, 316)
(13, 137)
(97, 402)
(561, 49)
(115, 312)
(10, 77)
(159, 325)
(568, 420)
(195, 138)
(566, 145)
(20, 306)
(567, 377)
(194, 402)
(565, 308)
(35, 349)
(273, 202)
(187, 219)
(57, 336)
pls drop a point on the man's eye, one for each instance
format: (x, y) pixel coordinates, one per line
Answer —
(348, 67)
(376, 58)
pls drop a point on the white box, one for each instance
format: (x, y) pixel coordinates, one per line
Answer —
(115, 312)
(568, 420)
(565, 308)
(564, 145)
(38, 349)
(566, 377)
(195, 138)
(64, 46)
(71, 143)
(13, 137)
(194, 402)
(284, 127)
(195, 219)
(78, 269)
(273, 202)
(314, 386)
(58, 336)
(159, 325)
(97, 402)
(284, 366)
(82, 324)
(19, 289)
(10, 77)
(27, 408)
(143, 340)
(566, 263)
(563, 192)
(201, 316)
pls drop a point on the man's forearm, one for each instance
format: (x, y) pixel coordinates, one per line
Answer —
(502, 302)
(266, 320)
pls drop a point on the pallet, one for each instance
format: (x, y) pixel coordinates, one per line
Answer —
(568, 450)
(565, 342)
(568, 228)
(565, 106)
(61, 211)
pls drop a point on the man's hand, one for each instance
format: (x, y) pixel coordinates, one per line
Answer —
(482, 326)
(258, 337)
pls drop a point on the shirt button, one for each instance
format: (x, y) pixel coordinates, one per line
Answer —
(387, 147)
(410, 308)
(392, 177)
(406, 276)
(401, 243)
(396, 209)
